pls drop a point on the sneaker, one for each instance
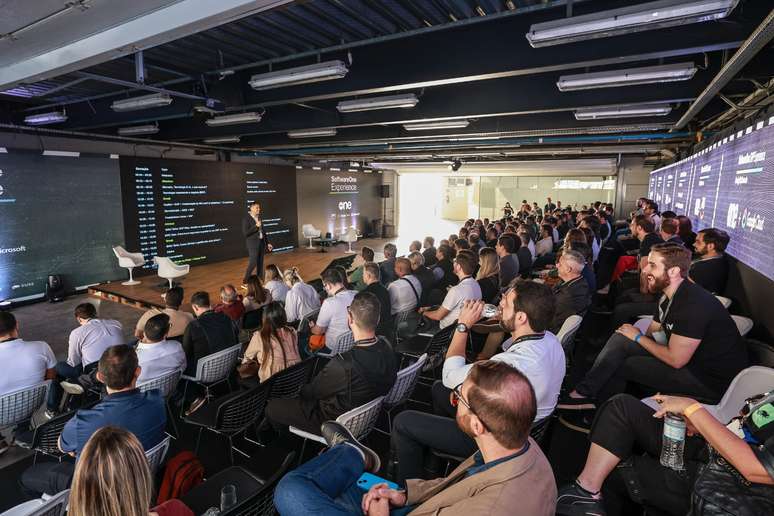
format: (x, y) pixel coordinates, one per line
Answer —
(578, 421)
(196, 405)
(335, 433)
(573, 500)
(567, 402)
(72, 388)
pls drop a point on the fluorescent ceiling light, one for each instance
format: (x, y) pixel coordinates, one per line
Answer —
(225, 139)
(114, 156)
(324, 71)
(138, 129)
(335, 169)
(3, 150)
(623, 111)
(239, 118)
(61, 153)
(312, 133)
(144, 102)
(627, 77)
(635, 18)
(386, 102)
(451, 124)
(54, 117)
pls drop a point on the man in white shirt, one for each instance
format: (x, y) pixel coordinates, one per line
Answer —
(406, 291)
(301, 299)
(85, 347)
(467, 289)
(527, 309)
(333, 317)
(178, 319)
(158, 356)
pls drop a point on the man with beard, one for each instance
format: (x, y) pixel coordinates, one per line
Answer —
(527, 309)
(702, 353)
(710, 270)
(496, 406)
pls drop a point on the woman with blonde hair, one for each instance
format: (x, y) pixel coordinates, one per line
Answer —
(112, 478)
(273, 348)
(488, 276)
(257, 296)
(272, 281)
(301, 299)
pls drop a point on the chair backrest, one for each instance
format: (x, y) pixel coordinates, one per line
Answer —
(242, 409)
(309, 231)
(743, 324)
(253, 319)
(749, 382)
(262, 502)
(760, 353)
(217, 366)
(303, 325)
(288, 382)
(119, 251)
(19, 405)
(440, 341)
(156, 455)
(404, 384)
(46, 436)
(361, 420)
(726, 302)
(166, 265)
(539, 428)
(166, 383)
(344, 343)
(47, 505)
(350, 235)
(568, 330)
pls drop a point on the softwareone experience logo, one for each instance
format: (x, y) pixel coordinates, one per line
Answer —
(11, 250)
(343, 184)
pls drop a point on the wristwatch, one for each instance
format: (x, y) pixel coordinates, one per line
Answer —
(462, 328)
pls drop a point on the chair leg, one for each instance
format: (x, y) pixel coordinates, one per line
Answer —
(172, 420)
(301, 455)
(185, 395)
(170, 282)
(198, 440)
(231, 450)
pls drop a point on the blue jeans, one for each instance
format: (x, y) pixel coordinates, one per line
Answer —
(64, 371)
(326, 485)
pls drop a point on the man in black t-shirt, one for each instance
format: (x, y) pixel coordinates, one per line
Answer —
(371, 277)
(702, 349)
(711, 269)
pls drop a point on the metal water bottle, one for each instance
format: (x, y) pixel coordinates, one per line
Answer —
(673, 442)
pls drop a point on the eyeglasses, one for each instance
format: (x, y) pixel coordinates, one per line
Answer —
(456, 398)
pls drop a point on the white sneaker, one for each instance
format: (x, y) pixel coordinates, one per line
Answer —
(75, 389)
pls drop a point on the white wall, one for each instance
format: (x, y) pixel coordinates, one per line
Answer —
(633, 177)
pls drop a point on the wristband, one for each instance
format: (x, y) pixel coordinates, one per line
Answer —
(688, 412)
(637, 338)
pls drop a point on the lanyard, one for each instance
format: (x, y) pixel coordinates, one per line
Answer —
(524, 338)
(662, 314)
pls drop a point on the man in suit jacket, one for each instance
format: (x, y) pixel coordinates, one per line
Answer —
(508, 475)
(257, 241)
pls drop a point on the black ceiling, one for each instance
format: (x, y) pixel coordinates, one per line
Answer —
(463, 58)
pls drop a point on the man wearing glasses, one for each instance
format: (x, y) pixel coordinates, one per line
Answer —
(526, 310)
(507, 474)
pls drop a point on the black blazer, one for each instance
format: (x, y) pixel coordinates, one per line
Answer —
(251, 233)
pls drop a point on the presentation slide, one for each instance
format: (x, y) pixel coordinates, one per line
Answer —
(192, 211)
(58, 215)
(729, 185)
(334, 201)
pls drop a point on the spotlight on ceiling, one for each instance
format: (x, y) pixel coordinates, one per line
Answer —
(455, 165)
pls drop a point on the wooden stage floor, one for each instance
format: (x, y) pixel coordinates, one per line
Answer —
(210, 277)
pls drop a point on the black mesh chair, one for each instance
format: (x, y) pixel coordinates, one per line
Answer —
(252, 320)
(434, 347)
(45, 438)
(288, 382)
(231, 415)
(262, 503)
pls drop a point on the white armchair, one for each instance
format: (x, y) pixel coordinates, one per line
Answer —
(349, 236)
(169, 269)
(129, 261)
(310, 232)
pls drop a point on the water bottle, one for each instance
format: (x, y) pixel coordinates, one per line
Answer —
(489, 310)
(673, 442)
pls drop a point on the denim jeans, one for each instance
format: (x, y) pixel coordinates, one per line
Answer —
(64, 371)
(326, 485)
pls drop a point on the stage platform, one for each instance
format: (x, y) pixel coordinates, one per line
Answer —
(210, 277)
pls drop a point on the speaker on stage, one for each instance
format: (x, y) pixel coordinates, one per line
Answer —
(55, 289)
(384, 191)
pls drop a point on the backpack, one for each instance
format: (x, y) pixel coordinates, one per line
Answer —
(184, 471)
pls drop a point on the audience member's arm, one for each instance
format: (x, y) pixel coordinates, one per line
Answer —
(319, 326)
(436, 315)
(73, 350)
(730, 446)
(677, 353)
(328, 382)
(188, 345)
(254, 348)
(68, 439)
(454, 368)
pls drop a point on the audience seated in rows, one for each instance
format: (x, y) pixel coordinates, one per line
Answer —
(702, 349)
(668, 231)
(272, 348)
(157, 355)
(113, 461)
(371, 276)
(230, 303)
(332, 319)
(423, 274)
(387, 267)
(488, 276)
(429, 254)
(443, 270)
(142, 413)
(85, 346)
(256, 296)
(348, 380)
(178, 319)
(710, 268)
(496, 406)
(572, 292)
(301, 299)
(366, 254)
(272, 281)
(406, 291)
(509, 262)
(466, 289)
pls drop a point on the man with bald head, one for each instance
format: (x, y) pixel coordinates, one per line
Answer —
(230, 303)
(406, 290)
(572, 292)
(506, 475)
